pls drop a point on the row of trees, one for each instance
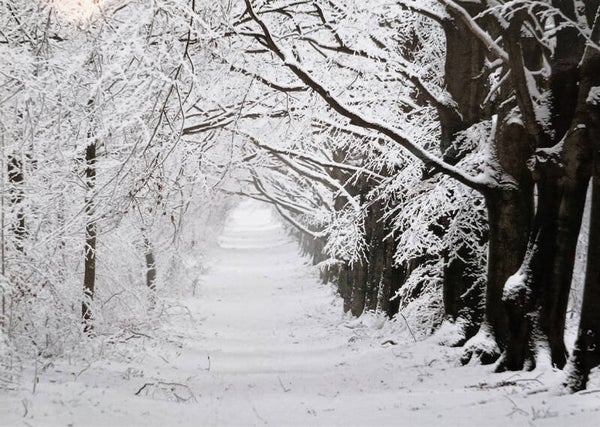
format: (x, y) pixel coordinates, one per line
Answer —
(104, 201)
(426, 142)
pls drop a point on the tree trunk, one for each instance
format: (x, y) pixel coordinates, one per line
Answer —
(89, 277)
(510, 215)
(548, 269)
(554, 291)
(359, 287)
(586, 354)
(553, 242)
(150, 265)
(466, 82)
(462, 294)
(393, 278)
(345, 286)
(16, 178)
(376, 227)
(560, 201)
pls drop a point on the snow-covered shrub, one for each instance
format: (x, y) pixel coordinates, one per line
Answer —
(420, 298)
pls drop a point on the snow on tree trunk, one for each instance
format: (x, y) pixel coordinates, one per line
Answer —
(586, 354)
(553, 240)
(89, 277)
(467, 84)
(510, 211)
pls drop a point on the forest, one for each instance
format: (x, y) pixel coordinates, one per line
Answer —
(437, 162)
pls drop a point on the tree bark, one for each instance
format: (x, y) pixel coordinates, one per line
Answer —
(150, 265)
(89, 277)
(374, 256)
(559, 244)
(16, 178)
(561, 199)
(562, 192)
(586, 354)
(393, 278)
(510, 215)
(359, 273)
(345, 286)
(466, 82)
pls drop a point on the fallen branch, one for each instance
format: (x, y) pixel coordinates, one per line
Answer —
(506, 383)
(582, 392)
(167, 387)
(285, 389)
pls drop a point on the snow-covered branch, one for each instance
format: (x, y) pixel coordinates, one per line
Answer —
(356, 118)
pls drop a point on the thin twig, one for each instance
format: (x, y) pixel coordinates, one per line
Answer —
(285, 389)
(408, 326)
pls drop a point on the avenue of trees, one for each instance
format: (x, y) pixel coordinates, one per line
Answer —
(433, 157)
(103, 200)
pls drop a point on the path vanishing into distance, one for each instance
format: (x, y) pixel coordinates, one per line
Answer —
(262, 342)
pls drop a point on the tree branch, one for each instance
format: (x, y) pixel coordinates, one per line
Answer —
(458, 11)
(357, 119)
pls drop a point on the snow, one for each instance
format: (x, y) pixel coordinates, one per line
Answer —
(516, 288)
(593, 96)
(450, 333)
(264, 343)
(482, 341)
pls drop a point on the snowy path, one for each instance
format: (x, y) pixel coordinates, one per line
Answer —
(263, 343)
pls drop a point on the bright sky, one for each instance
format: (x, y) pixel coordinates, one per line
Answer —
(77, 9)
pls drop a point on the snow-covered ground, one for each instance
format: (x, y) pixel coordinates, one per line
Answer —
(264, 343)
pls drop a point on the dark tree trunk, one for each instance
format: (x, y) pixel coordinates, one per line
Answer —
(509, 221)
(317, 250)
(89, 277)
(586, 354)
(560, 201)
(16, 178)
(392, 275)
(462, 292)
(554, 290)
(150, 265)
(344, 285)
(381, 260)
(359, 287)
(393, 278)
(562, 193)
(467, 84)
(510, 215)
(374, 239)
